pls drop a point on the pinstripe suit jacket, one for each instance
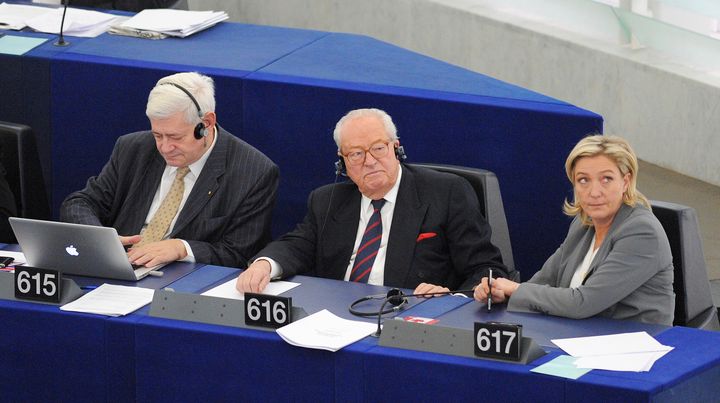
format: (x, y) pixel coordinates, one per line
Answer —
(226, 218)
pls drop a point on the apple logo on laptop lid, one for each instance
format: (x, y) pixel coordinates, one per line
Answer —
(72, 251)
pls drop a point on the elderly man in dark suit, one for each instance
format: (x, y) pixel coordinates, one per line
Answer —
(186, 190)
(393, 225)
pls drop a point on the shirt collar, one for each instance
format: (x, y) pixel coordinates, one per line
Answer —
(389, 197)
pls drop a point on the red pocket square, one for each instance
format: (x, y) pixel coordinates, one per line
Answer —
(425, 235)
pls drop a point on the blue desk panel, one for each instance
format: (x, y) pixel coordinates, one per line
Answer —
(73, 356)
(25, 83)
(143, 358)
(63, 352)
(359, 59)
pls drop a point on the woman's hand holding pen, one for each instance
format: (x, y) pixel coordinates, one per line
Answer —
(502, 289)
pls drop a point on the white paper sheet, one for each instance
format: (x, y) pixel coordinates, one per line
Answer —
(228, 290)
(325, 331)
(84, 23)
(616, 352)
(111, 300)
(14, 16)
(636, 362)
(622, 343)
(18, 256)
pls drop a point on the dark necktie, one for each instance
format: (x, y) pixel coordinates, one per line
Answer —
(369, 245)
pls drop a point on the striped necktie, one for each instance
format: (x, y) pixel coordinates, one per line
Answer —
(160, 223)
(369, 245)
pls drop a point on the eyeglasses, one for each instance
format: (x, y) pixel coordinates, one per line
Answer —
(377, 150)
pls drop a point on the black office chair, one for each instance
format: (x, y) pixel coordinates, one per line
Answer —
(487, 188)
(23, 171)
(693, 300)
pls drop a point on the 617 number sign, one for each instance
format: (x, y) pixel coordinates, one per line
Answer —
(267, 310)
(37, 284)
(498, 340)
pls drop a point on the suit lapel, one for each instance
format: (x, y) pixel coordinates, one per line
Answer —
(206, 184)
(407, 218)
(577, 255)
(147, 185)
(604, 251)
(340, 236)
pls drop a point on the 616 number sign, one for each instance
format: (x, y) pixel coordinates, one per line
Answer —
(37, 284)
(267, 310)
(498, 340)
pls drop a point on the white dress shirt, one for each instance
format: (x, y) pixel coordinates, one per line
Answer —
(582, 270)
(377, 274)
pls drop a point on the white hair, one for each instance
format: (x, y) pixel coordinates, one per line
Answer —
(166, 100)
(386, 120)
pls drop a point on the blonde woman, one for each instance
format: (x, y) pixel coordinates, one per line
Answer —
(615, 261)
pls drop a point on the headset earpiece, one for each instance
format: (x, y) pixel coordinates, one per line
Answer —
(340, 167)
(200, 130)
(396, 297)
(400, 153)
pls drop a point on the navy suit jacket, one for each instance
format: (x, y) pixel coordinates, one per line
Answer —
(427, 202)
(226, 218)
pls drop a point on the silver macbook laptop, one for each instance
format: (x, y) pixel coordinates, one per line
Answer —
(85, 250)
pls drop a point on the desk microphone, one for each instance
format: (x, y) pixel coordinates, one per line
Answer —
(397, 299)
(61, 41)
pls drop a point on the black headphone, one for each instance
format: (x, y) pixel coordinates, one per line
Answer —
(341, 169)
(200, 130)
(394, 297)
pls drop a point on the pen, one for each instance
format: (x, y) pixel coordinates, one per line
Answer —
(88, 287)
(5, 262)
(490, 280)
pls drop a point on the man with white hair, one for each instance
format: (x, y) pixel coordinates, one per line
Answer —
(391, 224)
(185, 190)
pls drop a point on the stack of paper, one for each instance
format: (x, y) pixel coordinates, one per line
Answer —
(618, 352)
(111, 300)
(325, 331)
(14, 16)
(78, 22)
(83, 23)
(178, 23)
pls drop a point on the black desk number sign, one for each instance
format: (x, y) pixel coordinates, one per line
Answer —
(37, 284)
(498, 340)
(267, 310)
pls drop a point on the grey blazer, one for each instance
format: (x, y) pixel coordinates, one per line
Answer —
(631, 276)
(226, 218)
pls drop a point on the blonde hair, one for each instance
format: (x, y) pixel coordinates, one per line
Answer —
(618, 150)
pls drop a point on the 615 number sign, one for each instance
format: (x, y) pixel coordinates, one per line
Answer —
(37, 284)
(267, 310)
